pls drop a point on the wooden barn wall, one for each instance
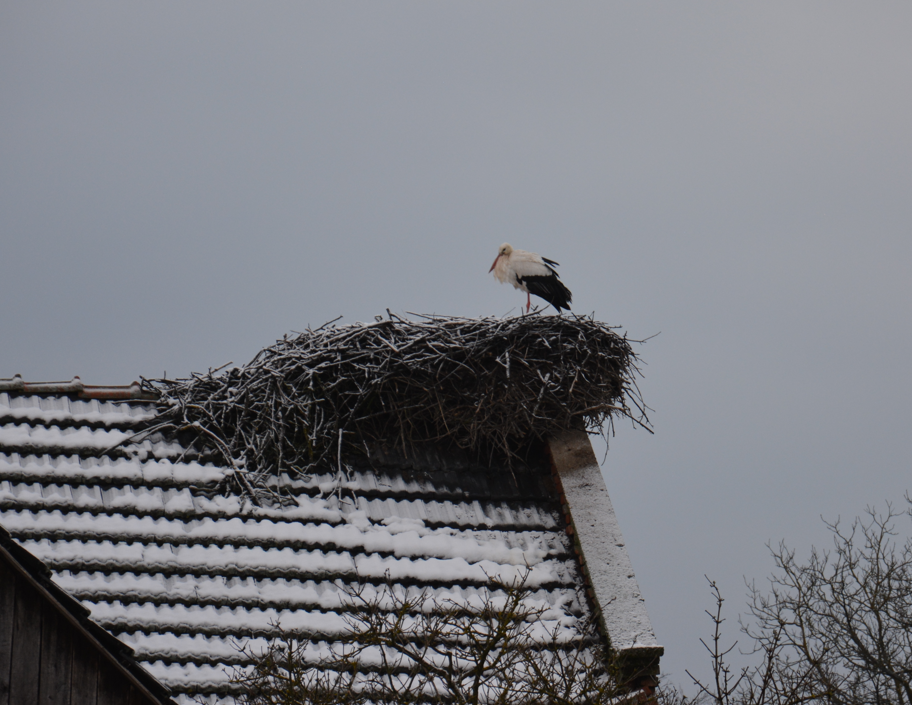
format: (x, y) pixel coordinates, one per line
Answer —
(45, 659)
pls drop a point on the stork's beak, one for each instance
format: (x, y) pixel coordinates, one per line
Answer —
(494, 265)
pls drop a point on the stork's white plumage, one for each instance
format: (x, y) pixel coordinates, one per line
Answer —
(533, 274)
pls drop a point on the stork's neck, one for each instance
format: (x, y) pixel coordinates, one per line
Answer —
(504, 271)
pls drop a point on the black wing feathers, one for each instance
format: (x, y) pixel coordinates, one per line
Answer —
(550, 288)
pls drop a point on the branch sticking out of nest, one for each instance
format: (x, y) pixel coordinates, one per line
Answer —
(482, 383)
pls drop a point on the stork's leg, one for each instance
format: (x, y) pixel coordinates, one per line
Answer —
(528, 301)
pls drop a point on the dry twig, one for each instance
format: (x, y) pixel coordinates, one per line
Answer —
(487, 384)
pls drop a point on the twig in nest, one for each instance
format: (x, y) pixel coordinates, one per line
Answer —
(488, 383)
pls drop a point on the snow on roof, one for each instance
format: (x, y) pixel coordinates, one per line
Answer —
(183, 575)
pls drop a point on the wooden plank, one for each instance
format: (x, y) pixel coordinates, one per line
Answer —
(57, 644)
(26, 652)
(53, 658)
(8, 585)
(113, 687)
(137, 698)
(84, 683)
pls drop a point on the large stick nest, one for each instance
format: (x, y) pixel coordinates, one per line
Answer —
(488, 385)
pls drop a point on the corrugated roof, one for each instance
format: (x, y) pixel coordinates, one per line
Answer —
(182, 575)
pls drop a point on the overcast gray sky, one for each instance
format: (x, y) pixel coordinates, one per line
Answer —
(182, 183)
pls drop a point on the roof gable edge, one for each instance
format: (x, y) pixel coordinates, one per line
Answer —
(605, 562)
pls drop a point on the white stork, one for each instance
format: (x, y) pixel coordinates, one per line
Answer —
(533, 274)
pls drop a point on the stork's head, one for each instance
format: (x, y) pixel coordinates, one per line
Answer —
(504, 251)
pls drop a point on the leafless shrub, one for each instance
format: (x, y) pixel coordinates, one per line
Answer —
(404, 649)
(487, 383)
(281, 677)
(836, 628)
